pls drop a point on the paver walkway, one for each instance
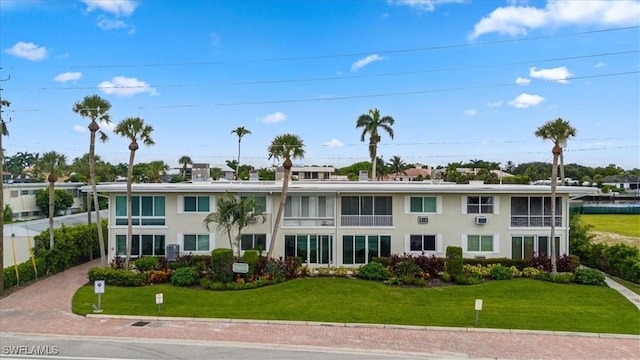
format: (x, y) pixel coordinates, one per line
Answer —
(45, 308)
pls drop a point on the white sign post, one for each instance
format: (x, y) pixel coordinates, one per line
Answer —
(98, 288)
(159, 301)
(478, 307)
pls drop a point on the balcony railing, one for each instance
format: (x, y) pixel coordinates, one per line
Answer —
(534, 221)
(366, 220)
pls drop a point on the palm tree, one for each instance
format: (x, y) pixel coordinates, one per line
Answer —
(185, 160)
(286, 147)
(134, 129)
(382, 169)
(96, 109)
(558, 131)
(245, 212)
(53, 164)
(156, 169)
(370, 124)
(222, 217)
(397, 165)
(240, 131)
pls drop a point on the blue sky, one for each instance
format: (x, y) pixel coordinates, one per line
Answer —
(463, 79)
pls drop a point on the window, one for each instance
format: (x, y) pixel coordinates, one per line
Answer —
(253, 241)
(313, 249)
(141, 245)
(479, 243)
(525, 247)
(196, 204)
(259, 201)
(199, 242)
(367, 211)
(145, 210)
(534, 211)
(361, 249)
(422, 243)
(479, 204)
(309, 211)
(24, 192)
(14, 193)
(420, 204)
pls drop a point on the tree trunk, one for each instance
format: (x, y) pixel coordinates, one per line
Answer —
(373, 151)
(96, 204)
(283, 201)
(238, 164)
(129, 209)
(51, 211)
(562, 182)
(89, 233)
(554, 174)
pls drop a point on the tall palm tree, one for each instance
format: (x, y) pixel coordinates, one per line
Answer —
(54, 164)
(558, 131)
(156, 169)
(134, 129)
(185, 160)
(96, 109)
(240, 131)
(286, 147)
(370, 124)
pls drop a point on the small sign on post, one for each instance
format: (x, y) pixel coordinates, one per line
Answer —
(98, 288)
(159, 301)
(478, 307)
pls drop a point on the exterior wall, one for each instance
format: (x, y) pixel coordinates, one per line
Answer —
(22, 198)
(449, 224)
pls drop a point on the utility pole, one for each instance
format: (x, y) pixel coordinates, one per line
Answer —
(2, 128)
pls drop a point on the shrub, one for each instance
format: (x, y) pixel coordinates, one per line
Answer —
(478, 271)
(222, 265)
(158, 276)
(561, 277)
(407, 271)
(446, 277)
(26, 273)
(374, 271)
(117, 277)
(275, 270)
(466, 280)
(588, 276)
(541, 262)
(381, 259)
(184, 276)
(146, 263)
(431, 265)
(501, 273)
(454, 260)
(251, 257)
(515, 272)
(531, 272)
(621, 259)
(568, 263)
(340, 271)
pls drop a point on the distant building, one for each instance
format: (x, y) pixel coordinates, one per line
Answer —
(21, 197)
(324, 172)
(624, 183)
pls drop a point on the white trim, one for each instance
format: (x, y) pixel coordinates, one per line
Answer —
(439, 242)
(496, 244)
(496, 204)
(407, 243)
(463, 208)
(439, 204)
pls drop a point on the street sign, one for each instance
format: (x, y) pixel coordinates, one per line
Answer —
(98, 286)
(240, 268)
(159, 299)
(478, 304)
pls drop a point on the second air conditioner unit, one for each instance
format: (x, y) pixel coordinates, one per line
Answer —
(423, 219)
(481, 220)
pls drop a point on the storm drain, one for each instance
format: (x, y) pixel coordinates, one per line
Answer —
(140, 323)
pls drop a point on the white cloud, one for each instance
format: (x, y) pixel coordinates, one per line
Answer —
(495, 104)
(333, 143)
(366, 61)
(68, 76)
(524, 101)
(28, 50)
(111, 24)
(276, 117)
(80, 129)
(123, 86)
(518, 20)
(600, 64)
(471, 112)
(559, 74)
(115, 7)
(423, 5)
(108, 126)
(522, 81)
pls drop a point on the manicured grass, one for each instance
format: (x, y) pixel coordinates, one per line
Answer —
(623, 224)
(514, 304)
(628, 284)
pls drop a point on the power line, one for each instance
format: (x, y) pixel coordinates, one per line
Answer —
(343, 55)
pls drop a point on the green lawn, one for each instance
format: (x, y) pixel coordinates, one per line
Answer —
(623, 224)
(514, 304)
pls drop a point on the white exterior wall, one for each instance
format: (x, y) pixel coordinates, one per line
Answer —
(25, 205)
(450, 223)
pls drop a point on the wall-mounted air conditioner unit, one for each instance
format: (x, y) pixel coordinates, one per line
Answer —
(481, 220)
(423, 219)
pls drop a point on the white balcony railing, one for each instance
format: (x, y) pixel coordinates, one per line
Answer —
(366, 220)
